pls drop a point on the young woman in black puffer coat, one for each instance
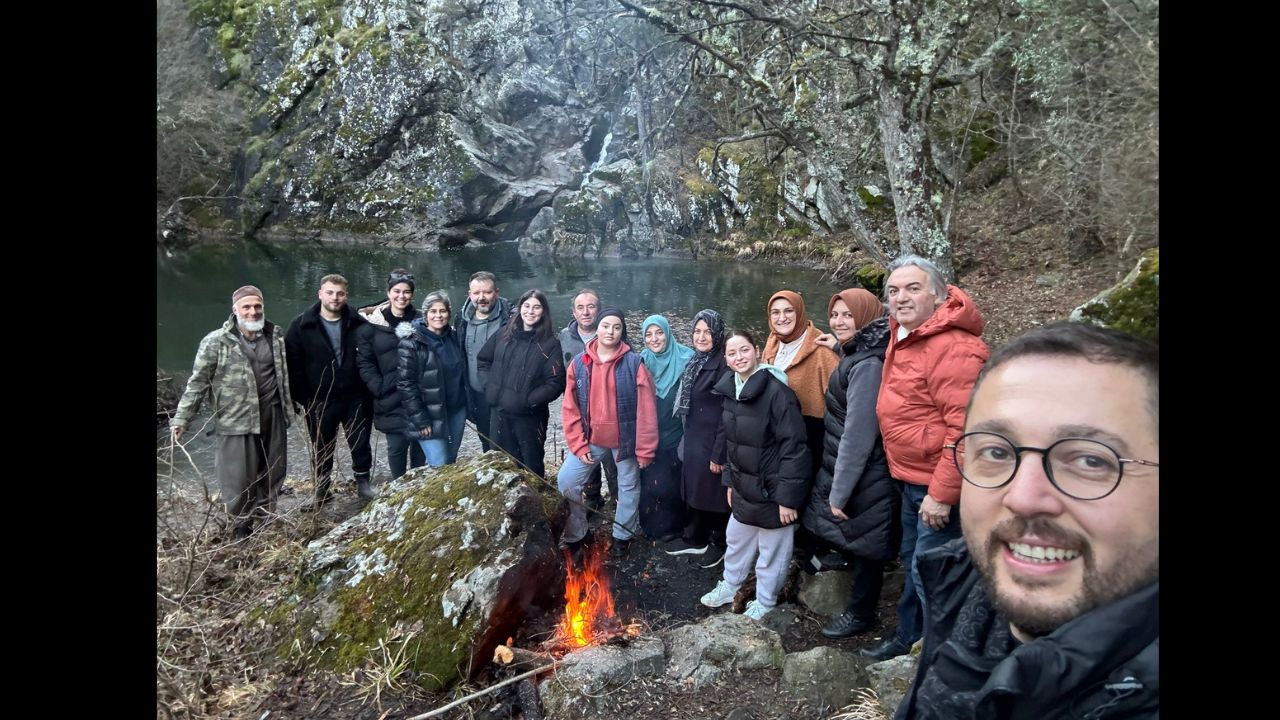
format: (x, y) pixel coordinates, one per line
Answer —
(376, 358)
(854, 505)
(766, 474)
(524, 373)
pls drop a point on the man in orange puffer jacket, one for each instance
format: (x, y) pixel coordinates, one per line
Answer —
(934, 356)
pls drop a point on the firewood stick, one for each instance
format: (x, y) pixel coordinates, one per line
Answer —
(442, 709)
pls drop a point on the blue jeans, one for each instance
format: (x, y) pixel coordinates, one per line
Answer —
(573, 478)
(916, 539)
(443, 451)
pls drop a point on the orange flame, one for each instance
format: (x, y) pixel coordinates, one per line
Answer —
(588, 601)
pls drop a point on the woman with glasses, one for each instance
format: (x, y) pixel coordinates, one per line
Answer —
(432, 374)
(524, 373)
(378, 363)
(792, 346)
(853, 506)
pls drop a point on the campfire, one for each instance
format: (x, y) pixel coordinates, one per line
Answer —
(589, 617)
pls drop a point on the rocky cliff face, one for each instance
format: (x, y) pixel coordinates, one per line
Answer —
(437, 123)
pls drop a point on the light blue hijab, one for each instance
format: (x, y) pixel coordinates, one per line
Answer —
(666, 366)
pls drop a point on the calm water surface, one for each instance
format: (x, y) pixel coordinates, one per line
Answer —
(193, 288)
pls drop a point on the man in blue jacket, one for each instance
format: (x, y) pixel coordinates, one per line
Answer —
(484, 313)
(1049, 606)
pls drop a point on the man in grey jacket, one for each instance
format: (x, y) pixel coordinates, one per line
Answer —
(483, 314)
(242, 368)
(573, 340)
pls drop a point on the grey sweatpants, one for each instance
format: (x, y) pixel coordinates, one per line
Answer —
(251, 470)
(774, 546)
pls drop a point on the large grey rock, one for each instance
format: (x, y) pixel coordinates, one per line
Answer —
(441, 567)
(892, 678)
(721, 642)
(826, 593)
(580, 685)
(827, 676)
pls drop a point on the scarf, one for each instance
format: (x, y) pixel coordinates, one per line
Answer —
(665, 366)
(694, 366)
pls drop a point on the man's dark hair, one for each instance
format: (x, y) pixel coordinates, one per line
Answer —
(543, 329)
(1090, 342)
(484, 276)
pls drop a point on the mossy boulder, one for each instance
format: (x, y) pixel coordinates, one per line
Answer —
(871, 277)
(440, 568)
(1133, 305)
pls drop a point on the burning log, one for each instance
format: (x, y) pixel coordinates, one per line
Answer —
(516, 660)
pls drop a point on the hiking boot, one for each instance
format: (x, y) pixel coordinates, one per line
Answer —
(619, 548)
(722, 594)
(365, 490)
(756, 611)
(846, 624)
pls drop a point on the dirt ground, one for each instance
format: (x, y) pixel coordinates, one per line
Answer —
(210, 665)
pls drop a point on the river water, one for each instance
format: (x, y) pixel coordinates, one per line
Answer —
(193, 288)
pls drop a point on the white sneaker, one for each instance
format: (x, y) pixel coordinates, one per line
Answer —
(721, 594)
(755, 610)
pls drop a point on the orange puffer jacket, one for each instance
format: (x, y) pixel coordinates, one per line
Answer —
(928, 376)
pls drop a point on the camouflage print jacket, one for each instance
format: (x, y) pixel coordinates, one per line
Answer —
(223, 372)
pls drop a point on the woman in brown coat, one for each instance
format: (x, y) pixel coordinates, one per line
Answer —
(793, 348)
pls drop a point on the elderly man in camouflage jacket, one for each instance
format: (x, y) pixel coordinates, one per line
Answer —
(242, 368)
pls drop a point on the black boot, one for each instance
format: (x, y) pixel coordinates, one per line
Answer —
(365, 490)
(846, 624)
(890, 648)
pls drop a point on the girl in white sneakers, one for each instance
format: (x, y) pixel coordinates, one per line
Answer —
(766, 475)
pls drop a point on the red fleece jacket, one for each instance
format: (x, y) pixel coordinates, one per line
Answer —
(603, 401)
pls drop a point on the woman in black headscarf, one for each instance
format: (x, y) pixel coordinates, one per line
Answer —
(703, 445)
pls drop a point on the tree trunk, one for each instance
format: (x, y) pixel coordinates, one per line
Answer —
(907, 159)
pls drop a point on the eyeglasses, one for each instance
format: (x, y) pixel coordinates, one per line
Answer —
(1078, 467)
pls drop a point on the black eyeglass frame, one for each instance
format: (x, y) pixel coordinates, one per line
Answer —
(1044, 462)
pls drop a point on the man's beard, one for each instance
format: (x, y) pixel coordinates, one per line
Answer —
(252, 325)
(1041, 617)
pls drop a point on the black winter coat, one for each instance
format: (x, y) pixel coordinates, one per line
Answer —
(768, 460)
(420, 381)
(704, 441)
(853, 459)
(379, 365)
(524, 373)
(314, 374)
(1103, 665)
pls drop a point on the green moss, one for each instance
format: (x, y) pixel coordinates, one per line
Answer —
(1134, 306)
(409, 594)
(871, 277)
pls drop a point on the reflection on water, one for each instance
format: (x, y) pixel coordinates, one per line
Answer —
(193, 289)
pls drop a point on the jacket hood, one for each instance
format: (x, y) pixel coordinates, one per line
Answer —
(623, 349)
(405, 330)
(958, 312)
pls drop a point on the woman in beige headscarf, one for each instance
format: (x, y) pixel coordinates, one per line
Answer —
(793, 348)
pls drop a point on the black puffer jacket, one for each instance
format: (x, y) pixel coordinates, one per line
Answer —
(768, 461)
(1103, 665)
(855, 472)
(379, 364)
(420, 380)
(524, 373)
(314, 374)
